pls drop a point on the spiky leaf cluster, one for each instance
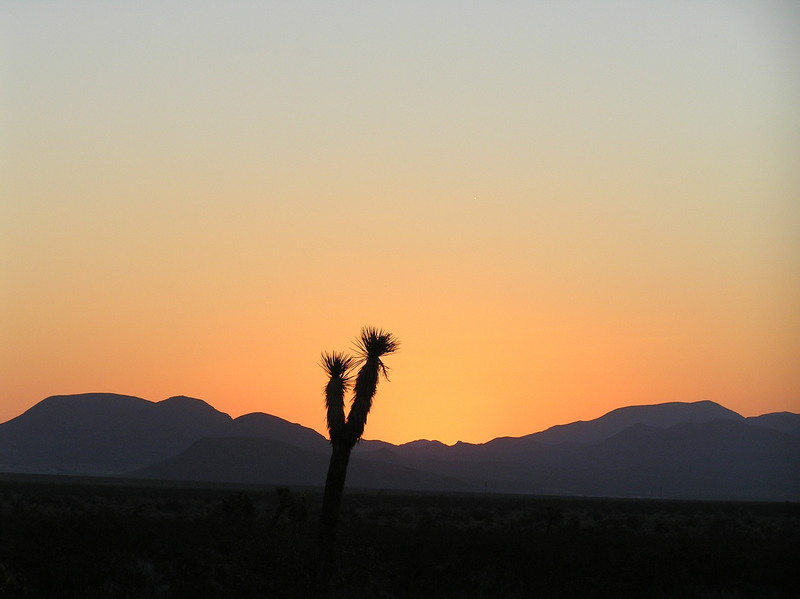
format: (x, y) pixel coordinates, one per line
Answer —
(374, 343)
(371, 345)
(337, 366)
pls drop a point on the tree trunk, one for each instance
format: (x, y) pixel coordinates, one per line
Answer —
(332, 498)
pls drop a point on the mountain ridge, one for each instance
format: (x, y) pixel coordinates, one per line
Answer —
(691, 449)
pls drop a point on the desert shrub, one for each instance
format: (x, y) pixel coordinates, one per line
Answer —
(95, 540)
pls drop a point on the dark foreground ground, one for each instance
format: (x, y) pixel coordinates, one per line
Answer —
(65, 538)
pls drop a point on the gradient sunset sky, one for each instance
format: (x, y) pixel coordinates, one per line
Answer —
(560, 208)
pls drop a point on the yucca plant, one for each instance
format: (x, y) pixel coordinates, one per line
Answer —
(371, 346)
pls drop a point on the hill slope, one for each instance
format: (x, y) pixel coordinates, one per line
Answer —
(266, 461)
(662, 416)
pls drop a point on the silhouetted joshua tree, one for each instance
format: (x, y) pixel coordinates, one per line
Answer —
(371, 345)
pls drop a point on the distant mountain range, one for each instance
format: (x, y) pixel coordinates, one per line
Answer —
(698, 450)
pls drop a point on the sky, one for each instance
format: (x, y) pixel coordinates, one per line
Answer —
(559, 208)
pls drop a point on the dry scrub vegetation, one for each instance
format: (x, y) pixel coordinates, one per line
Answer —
(65, 538)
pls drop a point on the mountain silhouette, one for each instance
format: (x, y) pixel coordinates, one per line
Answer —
(662, 415)
(259, 460)
(743, 461)
(679, 450)
(271, 427)
(103, 433)
(780, 421)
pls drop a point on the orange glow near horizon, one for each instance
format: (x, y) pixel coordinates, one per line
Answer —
(558, 212)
